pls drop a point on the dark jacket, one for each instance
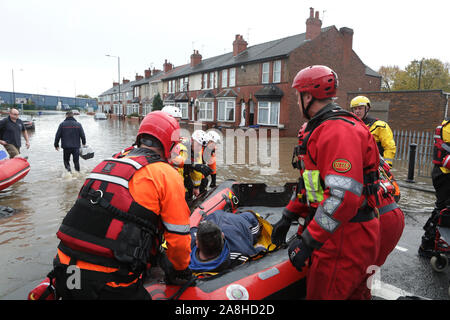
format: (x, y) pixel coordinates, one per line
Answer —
(241, 233)
(10, 131)
(70, 132)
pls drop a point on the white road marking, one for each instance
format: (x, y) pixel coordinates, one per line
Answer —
(401, 249)
(387, 291)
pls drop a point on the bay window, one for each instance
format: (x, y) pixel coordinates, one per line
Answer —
(184, 109)
(206, 111)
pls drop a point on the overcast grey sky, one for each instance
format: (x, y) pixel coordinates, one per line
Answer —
(58, 47)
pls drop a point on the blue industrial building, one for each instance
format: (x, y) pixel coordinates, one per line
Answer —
(42, 101)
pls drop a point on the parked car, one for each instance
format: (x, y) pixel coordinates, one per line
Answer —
(100, 116)
(28, 121)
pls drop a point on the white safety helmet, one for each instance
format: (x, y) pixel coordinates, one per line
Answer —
(200, 136)
(214, 137)
(173, 111)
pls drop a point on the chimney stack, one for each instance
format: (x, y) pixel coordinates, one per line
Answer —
(147, 73)
(125, 81)
(347, 35)
(196, 58)
(115, 84)
(313, 25)
(138, 77)
(167, 66)
(239, 45)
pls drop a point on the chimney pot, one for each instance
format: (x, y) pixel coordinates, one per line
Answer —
(167, 66)
(239, 45)
(313, 25)
(196, 58)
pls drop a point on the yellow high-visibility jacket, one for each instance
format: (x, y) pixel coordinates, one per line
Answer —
(384, 138)
(446, 138)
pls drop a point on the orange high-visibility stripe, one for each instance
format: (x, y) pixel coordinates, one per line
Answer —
(65, 259)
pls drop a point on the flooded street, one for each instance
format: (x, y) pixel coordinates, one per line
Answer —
(28, 241)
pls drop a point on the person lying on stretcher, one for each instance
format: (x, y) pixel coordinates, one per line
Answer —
(224, 240)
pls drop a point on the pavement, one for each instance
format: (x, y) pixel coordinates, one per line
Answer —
(405, 273)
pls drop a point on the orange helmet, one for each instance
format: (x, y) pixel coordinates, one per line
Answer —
(163, 127)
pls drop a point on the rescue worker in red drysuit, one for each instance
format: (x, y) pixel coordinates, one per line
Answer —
(392, 220)
(341, 237)
(113, 232)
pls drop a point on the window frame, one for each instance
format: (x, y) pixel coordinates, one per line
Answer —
(224, 74)
(183, 107)
(270, 107)
(265, 73)
(276, 72)
(232, 80)
(201, 108)
(226, 101)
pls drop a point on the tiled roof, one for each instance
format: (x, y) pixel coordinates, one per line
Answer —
(264, 51)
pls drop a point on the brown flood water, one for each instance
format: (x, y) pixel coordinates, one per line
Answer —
(27, 239)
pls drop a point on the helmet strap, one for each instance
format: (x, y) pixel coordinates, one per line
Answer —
(366, 111)
(306, 110)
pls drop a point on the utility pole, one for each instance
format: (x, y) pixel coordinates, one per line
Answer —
(14, 94)
(118, 69)
(420, 72)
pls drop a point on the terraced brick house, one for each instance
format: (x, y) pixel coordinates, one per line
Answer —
(251, 85)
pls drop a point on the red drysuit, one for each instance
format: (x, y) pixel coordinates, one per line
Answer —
(339, 170)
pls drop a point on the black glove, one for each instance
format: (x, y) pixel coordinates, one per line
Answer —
(178, 277)
(280, 229)
(298, 253)
(203, 168)
(172, 276)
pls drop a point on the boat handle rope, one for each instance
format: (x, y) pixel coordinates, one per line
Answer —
(183, 288)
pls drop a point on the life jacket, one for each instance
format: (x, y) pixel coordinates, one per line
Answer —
(178, 158)
(312, 181)
(387, 180)
(196, 157)
(441, 148)
(209, 156)
(106, 226)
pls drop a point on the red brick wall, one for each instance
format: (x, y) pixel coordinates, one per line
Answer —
(410, 110)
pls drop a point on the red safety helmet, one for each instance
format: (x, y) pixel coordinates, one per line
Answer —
(163, 127)
(320, 81)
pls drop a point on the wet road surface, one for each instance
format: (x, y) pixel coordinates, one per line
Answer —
(28, 241)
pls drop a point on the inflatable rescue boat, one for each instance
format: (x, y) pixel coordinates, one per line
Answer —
(12, 170)
(271, 276)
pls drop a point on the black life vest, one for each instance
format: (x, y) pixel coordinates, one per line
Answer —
(369, 123)
(441, 148)
(106, 226)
